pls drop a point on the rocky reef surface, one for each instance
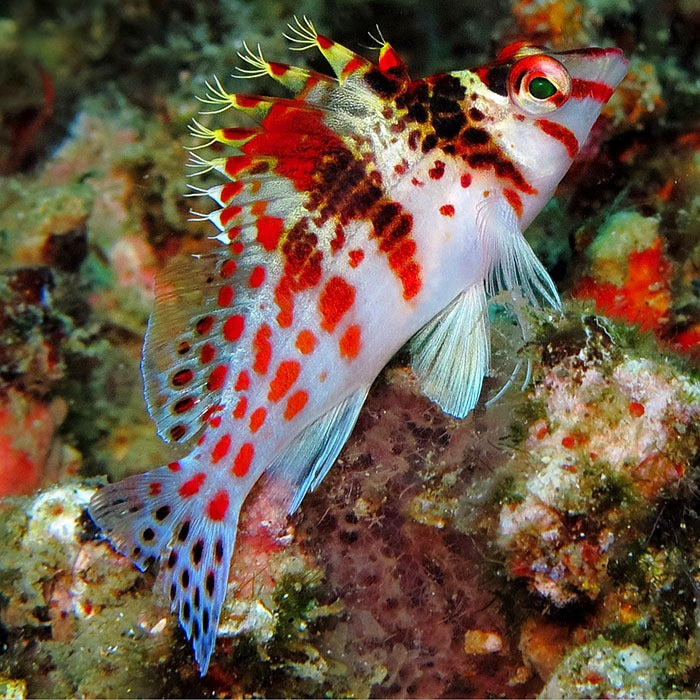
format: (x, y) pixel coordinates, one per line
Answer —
(547, 544)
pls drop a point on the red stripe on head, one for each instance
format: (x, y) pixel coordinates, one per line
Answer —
(585, 89)
(561, 134)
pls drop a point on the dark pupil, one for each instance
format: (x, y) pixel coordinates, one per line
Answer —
(541, 88)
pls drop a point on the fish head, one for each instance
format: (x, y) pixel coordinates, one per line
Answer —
(542, 106)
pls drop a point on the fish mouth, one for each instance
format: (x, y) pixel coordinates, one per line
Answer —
(604, 66)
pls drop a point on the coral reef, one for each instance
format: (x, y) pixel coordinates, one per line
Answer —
(546, 544)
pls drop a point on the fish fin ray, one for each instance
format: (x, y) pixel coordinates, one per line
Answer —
(197, 333)
(450, 354)
(195, 549)
(516, 267)
(126, 511)
(196, 581)
(307, 460)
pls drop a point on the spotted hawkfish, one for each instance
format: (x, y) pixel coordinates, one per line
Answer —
(367, 211)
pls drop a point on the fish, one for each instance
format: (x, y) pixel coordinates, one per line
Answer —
(364, 212)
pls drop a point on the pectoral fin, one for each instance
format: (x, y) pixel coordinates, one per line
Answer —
(451, 353)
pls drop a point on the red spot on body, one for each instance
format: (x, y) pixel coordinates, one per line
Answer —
(241, 407)
(257, 277)
(355, 257)
(206, 354)
(243, 381)
(402, 167)
(561, 134)
(154, 488)
(263, 349)
(465, 180)
(217, 377)
(416, 182)
(218, 506)
(295, 403)
(636, 409)
(573, 440)
(225, 295)
(437, 171)
(447, 210)
(285, 376)
(513, 198)
(350, 343)
(215, 422)
(339, 239)
(192, 486)
(335, 301)
(284, 299)
(306, 342)
(298, 139)
(233, 327)
(174, 466)
(243, 460)
(221, 448)
(228, 268)
(270, 229)
(257, 418)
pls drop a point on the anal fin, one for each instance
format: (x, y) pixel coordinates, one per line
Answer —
(306, 461)
(451, 353)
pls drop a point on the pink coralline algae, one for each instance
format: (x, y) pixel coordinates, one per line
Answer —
(613, 438)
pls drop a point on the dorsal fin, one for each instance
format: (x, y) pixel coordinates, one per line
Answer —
(195, 333)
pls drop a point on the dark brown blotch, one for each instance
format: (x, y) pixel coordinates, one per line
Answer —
(197, 549)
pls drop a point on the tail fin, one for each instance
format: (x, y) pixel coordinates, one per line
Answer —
(173, 515)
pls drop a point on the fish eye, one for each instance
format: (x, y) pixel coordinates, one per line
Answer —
(541, 88)
(538, 84)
